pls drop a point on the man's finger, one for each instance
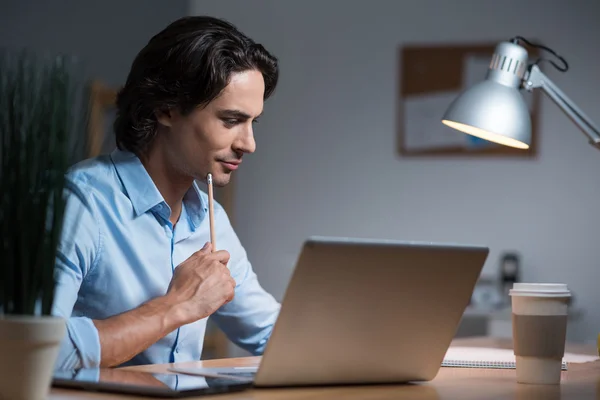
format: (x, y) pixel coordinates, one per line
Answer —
(221, 255)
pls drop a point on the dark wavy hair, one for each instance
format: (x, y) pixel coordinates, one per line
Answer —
(185, 66)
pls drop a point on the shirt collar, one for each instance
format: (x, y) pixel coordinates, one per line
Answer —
(144, 194)
(196, 205)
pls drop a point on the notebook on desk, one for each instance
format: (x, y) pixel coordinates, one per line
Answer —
(484, 357)
(481, 357)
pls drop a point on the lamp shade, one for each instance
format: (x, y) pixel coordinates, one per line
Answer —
(492, 111)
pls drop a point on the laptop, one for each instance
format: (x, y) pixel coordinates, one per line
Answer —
(365, 311)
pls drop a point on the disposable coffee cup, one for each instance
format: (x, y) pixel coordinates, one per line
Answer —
(539, 324)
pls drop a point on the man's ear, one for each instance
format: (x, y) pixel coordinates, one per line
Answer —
(164, 117)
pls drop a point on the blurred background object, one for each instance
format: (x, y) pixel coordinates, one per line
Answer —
(509, 273)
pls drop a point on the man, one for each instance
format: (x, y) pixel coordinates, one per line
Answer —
(136, 276)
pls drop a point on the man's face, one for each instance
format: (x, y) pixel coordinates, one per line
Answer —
(214, 138)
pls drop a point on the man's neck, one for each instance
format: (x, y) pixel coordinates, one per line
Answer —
(171, 184)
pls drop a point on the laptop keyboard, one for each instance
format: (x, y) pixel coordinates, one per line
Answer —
(241, 374)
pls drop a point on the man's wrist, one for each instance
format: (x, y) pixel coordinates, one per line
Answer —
(171, 311)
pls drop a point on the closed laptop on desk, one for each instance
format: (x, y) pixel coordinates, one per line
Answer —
(367, 311)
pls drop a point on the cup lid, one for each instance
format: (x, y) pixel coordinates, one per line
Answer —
(540, 289)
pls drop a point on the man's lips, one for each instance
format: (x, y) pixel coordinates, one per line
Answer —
(231, 164)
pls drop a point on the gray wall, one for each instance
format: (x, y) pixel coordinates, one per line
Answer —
(326, 161)
(105, 35)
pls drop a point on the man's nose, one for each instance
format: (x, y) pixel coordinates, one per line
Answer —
(245, 142)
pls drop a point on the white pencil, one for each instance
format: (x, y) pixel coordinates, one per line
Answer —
(211, 212)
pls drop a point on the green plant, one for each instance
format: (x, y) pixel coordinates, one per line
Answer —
(43, 110)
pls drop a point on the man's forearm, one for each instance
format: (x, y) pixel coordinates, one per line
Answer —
(126, 335)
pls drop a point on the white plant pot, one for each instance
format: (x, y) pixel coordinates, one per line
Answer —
(28, 349)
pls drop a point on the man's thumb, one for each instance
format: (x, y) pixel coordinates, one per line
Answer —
(206, 248)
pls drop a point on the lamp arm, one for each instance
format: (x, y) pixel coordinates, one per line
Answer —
(536, 79)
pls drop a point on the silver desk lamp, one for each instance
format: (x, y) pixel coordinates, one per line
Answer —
(494, 109)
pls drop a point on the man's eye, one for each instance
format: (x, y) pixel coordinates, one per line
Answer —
(230, 121)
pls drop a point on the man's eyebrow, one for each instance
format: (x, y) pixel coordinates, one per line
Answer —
(235, 114)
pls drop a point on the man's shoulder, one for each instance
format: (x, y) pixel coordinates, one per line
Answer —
(92, 174)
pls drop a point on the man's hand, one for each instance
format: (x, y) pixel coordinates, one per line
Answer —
(201, 285)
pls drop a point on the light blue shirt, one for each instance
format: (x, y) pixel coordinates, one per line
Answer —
(119, 250)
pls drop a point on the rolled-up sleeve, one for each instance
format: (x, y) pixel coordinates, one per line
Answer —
(77, 253)
(249, 318)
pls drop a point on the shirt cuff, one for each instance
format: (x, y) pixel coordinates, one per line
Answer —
(85, 339)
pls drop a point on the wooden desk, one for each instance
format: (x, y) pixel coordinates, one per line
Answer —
(581, 381)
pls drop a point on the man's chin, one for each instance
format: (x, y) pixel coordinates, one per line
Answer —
(221, 179)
